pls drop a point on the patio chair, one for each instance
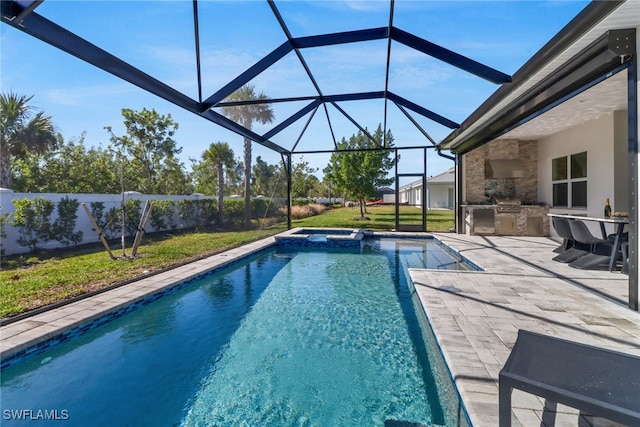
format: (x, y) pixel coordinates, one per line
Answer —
(599, 249)
(625, 257)
(570, 249)
(561, 226)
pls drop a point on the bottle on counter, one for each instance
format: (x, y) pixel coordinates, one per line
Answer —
(607, 209)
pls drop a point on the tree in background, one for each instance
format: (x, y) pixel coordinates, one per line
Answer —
(150, 153)
(21, 133)
(325, 189)
(174, 179)
(220, 156)
(73, 168)
(359, 173)
(234, 178)
(303, 180)
(246, 115)
(266, 178)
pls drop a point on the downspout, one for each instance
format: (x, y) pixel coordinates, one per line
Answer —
(457, 189)
(446, 156)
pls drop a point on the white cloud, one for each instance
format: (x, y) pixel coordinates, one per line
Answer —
(78, 96)
(366, 5)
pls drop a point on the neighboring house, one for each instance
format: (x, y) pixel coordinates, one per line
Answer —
(386, 194)
(564, 131)
(440, 191)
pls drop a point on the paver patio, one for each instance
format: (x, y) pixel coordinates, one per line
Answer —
(475, 316)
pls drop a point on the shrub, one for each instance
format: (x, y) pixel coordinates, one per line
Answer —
(63, 226)
(299, 212)
(317, 208)
(233, 210)
(302, 202)
(263, 208)
(162, 215)
(113, 227)
(187, 213)
(133, 215)
(113, 224)
(4, 219)
(208, 212)
(31, 216)
(97, 212)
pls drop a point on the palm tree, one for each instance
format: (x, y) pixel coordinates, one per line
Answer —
(220, 155)
(21, 133)
(246, 115)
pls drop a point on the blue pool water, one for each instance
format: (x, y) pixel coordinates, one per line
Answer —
(289, 337)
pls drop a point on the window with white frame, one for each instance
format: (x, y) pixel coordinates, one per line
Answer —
(569, 181)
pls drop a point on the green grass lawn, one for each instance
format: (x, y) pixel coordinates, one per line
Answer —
(51, 278)
(380, 218)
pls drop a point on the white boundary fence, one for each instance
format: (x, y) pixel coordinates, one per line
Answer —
(11, 246)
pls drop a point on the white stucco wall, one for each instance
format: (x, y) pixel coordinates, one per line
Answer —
(437, 195)
(83, 223)
(621, 160)
(411, 195)
(597, 139)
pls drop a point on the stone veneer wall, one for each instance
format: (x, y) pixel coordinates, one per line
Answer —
(526, 187)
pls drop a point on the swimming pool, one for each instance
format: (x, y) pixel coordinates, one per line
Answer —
(276, 339)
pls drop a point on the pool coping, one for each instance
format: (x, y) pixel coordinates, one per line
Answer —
(296, 233)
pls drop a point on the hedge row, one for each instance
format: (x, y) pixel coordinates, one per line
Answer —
(33, 218)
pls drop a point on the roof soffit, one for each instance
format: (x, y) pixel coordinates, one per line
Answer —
(623, 17)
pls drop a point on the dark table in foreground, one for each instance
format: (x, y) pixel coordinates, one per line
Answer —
(596, 381)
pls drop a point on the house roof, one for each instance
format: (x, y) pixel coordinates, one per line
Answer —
(447, 177)
(385, 190)
(555, 90)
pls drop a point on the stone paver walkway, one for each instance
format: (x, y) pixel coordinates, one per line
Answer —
(475, 316)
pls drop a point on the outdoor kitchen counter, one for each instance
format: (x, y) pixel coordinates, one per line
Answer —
(506, 220)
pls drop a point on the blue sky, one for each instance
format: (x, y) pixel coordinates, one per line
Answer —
(157, 37)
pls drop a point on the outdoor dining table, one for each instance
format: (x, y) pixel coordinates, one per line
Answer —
(619, 223)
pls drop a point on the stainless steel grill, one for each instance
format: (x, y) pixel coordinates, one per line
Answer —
(507, 205)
